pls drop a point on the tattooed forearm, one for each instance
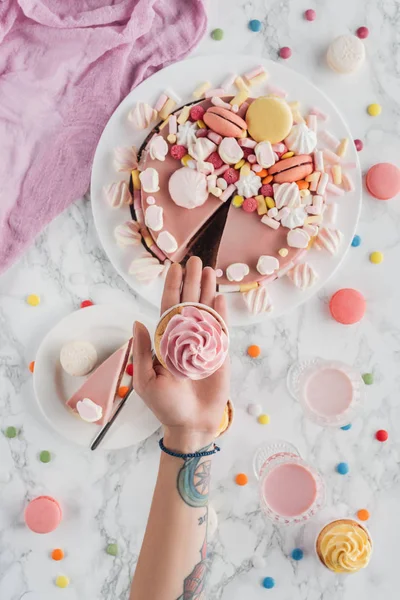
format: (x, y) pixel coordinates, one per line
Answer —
(194, 584)
(194, 480)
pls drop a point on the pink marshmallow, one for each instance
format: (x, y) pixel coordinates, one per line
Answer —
(273, 89)
(214, 137)
(323, 182)
(270, 222)
(256, 168)
(160, 102)
(218, 102)
(215, 92)
(347, 182)
(330, 156)
(329, 139)
(228, 192)
(247, 143)
(312, 123)
(281, 148)
(221, 170)
(319, 161)
(321, 115)
(228, 81)
(172, 125)
(252, 159)
(243, 109)
(254, 72)
(334, 189)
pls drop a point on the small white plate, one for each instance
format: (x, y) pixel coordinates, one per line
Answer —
(107, 327)
(183, 77)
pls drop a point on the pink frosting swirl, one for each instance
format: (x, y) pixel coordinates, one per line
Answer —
(194, 344)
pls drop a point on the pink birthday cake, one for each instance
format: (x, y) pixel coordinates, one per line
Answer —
(248, 184)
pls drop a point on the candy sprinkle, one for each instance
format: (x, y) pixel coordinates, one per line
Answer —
(297, 554)
(356, 241)
(363, 514)
(11, 432)
(57, 554)
(45, 456)
(368, 378)
(285, 52)
(374, 110)
(254, 351)
(268, 583)
(376, 257)
(255, 25)
(342, 468)
(86, 303)
(112, 549)
(33, 300)
(32, 366)
(382, 435)
(241, 479)
(346, 427)
(62, 581)
(263, 419)
(217, 34)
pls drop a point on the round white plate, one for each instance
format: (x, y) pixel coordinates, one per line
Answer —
(183, 77)
(107, 327)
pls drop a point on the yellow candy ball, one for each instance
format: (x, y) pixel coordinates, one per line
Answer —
(270, 202)
(263, 419)
(33, 300)
(238, 201)
(62, 581)
(374, 109)
(376, 257)
(239, 164)
(283, 252)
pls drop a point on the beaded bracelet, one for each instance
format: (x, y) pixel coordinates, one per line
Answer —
(190, 455)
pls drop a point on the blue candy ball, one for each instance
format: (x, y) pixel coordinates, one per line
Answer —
(346, 427)
(255, 25)
(297, 554)
(356, 241)
(342, 468)
(269, 583)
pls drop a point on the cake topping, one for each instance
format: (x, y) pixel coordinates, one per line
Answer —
(298, 238)
(194, 344)
(125, 159)
(202, 148)
(345, 546)
(128, 234)
(142, 115)
(158, 148)
(237, 271)
(266, 265)
(230, 151)
(301, 139)
(186, 134)
(249, 185)
(153, 217)
(118, 194)
(146, 268)
(295, 218)
(166, 242)
(264, 154)
(88, 410)
(303, 276)
(329, 239)
(286, 194)
(150, 180)
(188, 188)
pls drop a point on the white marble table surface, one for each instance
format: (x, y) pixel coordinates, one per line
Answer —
(106, 496)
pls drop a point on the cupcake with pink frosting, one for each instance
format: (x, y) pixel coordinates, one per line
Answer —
(191, 341)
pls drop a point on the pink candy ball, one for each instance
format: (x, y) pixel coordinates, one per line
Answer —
(363, 32)
(359, 145)
(285, 52)
(310, 14)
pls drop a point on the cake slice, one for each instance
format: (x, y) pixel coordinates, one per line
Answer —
(102, 385)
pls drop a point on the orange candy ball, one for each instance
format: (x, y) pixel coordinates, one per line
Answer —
(32, 366)
(241, 479)
(363, 514)
(123, 390)
(57, 554)
(254, 351)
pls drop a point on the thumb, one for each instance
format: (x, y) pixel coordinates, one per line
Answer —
(142, 357)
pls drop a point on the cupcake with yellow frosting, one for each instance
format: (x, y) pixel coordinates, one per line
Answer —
(344, 546)
(227, 419)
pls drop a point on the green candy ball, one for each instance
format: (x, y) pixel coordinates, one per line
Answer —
(45, 456)
(368, 378)
(112, 549)
(11, 432)
(217, 34)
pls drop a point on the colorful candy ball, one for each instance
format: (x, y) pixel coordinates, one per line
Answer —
(241, 479)
(285, 52)
(356, 241)
(86, 303)
(45, 456)
(310, 14)
(33, 300)
(129, 369)
(297, 554)
(362, 32)
(11, 432)
(57, 554)
(254, 351)
(368, 378)
(376, 258)
(196, 113)
(342, 468)
(250, 205)
(177, 151)
(268, 583)
(217, 34)
(359, 144)
(374, 109)
(112, 549)
(264, 419)
(382, 435)
(363, 514)
(346, 427)
(255, 25)
(62, 581)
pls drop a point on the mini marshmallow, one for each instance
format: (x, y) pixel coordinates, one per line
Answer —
(166, 242)
(322, 184)
(158, 148)
(228, 192)
(329, 139)
(331, 188)
(247, 143)
(330, 156)
(298, 238)
(214, 137)
(270, 222)
(230, 151)
(319, 161)
(215, 93)
(149, 180)
(337, 174)
(312, 123)
(283, 213)
(347, 182)
(267, 265)
(264, 154)
(222, 183)
(153, 217)
(228, 81)
(273, 212)
(237, 271)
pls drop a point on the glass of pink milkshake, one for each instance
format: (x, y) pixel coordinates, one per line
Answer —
(330, 392)
(291, 491)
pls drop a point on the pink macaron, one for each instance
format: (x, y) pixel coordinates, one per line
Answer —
(43, 514)
(347, 306)
(292, 169)
(383, 181)
(225, 122)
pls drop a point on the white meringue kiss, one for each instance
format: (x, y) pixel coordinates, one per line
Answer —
(295, 218)
(258, 300)
(230, 151)
(301, 139)
(158, 148)
(188, 188)
(201, 149)
(267, 265)
(249, 185)
(237, 271)
(166, 242)
(298, 238)
(153, 217)
(286, 194)
(186, 134)
(142, 115)
(118, 194)
(146, 268)
(149, 180)
(125, 159)
(264, 154)
(128, 234)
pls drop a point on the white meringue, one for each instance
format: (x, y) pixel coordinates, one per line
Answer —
(142, 115)
(249, 185)
(188, 188)
(149, 180)
(201, 149)
(230, 151)
(146, 268)
(303, 276)
(286, 194)
(301, 139)
(186, 134)
(264, 154)
(237, 271)
(298, 238)
(128, 234)
(166, 242)
(266, 265)
(125, 159)
(88, 410)
(205, 167)
(258, 300)
(118, 194)
(153, 217)
(330, 239)
(158, 148)
(295, 218)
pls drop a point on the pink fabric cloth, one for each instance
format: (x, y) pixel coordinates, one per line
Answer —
(64, 67)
